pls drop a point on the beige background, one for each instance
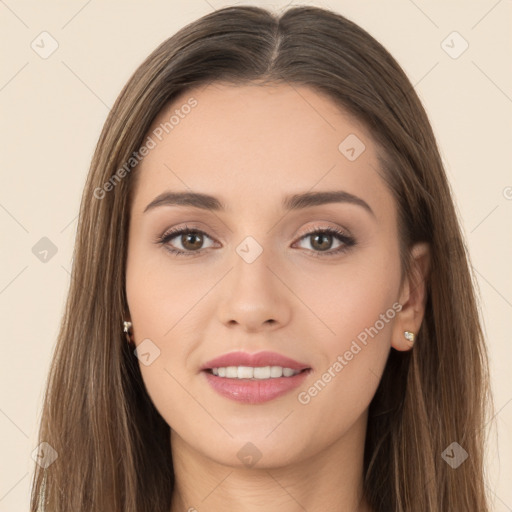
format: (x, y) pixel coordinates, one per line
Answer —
(53, 110)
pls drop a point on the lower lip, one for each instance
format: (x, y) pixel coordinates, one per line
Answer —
(254, 391)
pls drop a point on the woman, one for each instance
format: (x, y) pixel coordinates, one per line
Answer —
(271, 305)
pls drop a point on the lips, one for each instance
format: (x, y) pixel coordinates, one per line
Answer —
(259, 359)
(254, 391)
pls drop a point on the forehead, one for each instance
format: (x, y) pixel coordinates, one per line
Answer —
(245, 143)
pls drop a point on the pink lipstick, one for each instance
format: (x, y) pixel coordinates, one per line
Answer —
(254, 378)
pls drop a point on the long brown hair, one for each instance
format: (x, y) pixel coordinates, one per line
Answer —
(113, 446)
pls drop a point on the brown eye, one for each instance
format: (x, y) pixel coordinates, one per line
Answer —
(185, 241)
(192, 241)
(321, 241)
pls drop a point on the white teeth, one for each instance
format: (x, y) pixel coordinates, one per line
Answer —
(232, 372)
(276, 371)
(262, 372)
(258, 372)
(244, 372)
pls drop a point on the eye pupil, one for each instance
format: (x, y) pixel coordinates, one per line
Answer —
(186, 238)
(322, 236)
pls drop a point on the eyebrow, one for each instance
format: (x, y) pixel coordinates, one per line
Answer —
(293, 202)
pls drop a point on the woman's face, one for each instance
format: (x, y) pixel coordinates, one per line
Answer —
(256, 277)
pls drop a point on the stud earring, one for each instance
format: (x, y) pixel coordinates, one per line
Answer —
(127, 327)
(409, 336)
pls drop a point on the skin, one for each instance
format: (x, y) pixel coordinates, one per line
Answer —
(250, 146)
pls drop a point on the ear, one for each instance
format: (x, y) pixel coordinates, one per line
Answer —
(413, 297)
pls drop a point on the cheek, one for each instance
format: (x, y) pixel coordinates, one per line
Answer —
(351, 297)
(357, 301)
(159, 292)
(166, 300)
(159, 297)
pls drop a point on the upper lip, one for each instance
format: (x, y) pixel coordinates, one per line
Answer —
(264, 358)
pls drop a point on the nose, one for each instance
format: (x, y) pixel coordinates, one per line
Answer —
(254, 296)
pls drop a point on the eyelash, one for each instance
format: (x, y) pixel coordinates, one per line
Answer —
(347, 241)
